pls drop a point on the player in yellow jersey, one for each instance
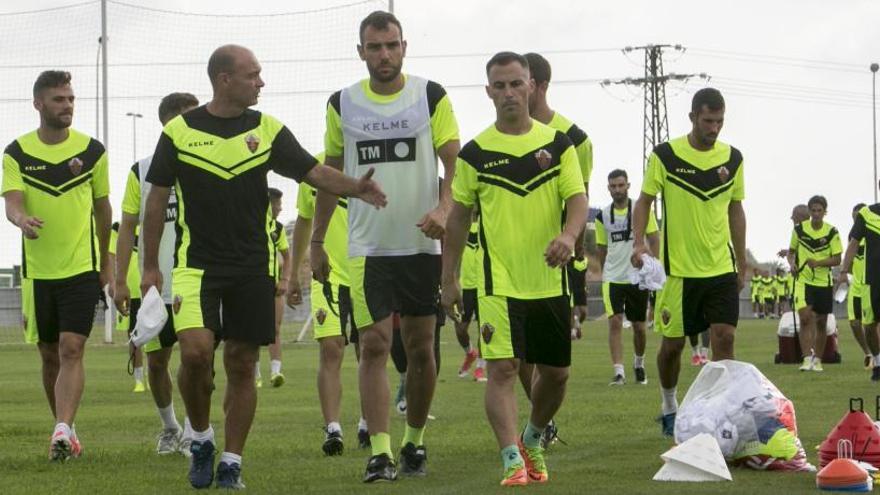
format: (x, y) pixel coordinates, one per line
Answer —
(56, 187)
(814, 249)
(866, 232)
(282, 278)
(173, 438)
(703, 241)
(854, 299)
(523, 175)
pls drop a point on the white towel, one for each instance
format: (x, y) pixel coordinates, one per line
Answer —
(651, 276)
(151, 318)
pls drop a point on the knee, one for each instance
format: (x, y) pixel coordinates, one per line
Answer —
(504, 370)
(374, 346)
(723, 342)
(70, 351)
(332, 351)
(198, 358)
(157, 363)
(555, 377)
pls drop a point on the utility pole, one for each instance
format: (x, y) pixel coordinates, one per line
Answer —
(656, 124)
(134, 118)
(874, 68)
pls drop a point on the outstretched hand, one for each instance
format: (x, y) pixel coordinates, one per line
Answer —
(369, 191)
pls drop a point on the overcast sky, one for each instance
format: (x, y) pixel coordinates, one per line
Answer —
(794, 73)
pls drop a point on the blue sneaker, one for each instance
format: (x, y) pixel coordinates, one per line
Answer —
(201, 464)
(667, 424)
(229, 476)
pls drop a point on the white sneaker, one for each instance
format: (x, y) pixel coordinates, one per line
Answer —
(185, 443)
(169, 441)
(808, 364)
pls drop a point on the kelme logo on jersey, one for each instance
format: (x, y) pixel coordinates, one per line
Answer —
(723, 174)
(321, 315)
(175, 306)
(252, 141)
(544, 158)
(386, 151)
(75, 165)
(487, 331)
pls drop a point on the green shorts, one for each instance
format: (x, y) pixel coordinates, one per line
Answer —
(688, 306)
(28, 317)
(854, 303)
(870, 299)
(330, 319)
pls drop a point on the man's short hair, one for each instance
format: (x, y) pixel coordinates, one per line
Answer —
(51, 79)
(275, 193)
(174, 104)
(504, 58)
(859, 206)
(617, 172)
(818, 200)
(379, 20)
(222, 60)
(708, 97)
(539, 67)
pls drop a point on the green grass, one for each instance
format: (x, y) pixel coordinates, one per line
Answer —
(613, 443)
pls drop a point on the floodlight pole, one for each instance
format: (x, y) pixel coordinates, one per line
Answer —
(134, 135)
(104, 72)
(874, 68)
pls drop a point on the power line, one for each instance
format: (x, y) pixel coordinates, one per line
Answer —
(780, 61)
(280, 14)
(49, 9)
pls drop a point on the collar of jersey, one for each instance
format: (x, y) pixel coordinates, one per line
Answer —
(376, 97)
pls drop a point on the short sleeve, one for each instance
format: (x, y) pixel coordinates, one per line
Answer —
(464, 184)
(652, 223)
(333, 139)
(601, 234)
(858, 229)
(444, 127)
(163, 169)
(836, 245)
(114, 238)
(793, 243)
(738, 192)
(101, 178)
(571, 181)
(585, 158)
(655, 176)
(131, 201)
(11, 175)
(283, 245)
(305, 201)
(289, 158)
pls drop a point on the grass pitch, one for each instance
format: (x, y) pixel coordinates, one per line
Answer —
(613, 443)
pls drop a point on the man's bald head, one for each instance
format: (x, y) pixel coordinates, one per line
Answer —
(223, 60)
(800, 213)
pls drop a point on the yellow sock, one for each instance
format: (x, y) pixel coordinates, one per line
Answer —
(413, 435)
(381, 444)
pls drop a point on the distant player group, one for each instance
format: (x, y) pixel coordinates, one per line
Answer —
(510, 209)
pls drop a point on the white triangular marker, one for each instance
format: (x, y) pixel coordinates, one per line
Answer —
(698, 459)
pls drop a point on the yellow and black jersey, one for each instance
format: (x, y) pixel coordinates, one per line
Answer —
(696, 189)
(60, 183)
(582, 143)
(218, 168)
(867, 228)
(521, 183)
(814, 244)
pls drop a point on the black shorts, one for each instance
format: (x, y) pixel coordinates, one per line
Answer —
(247, 303)
(821, 299)
(535, 330)
(627, 299)
(65, 305)
(688, 306)
(167, 337)
(346, 318)
(381, 285)
(469, 310)
(134, 305)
